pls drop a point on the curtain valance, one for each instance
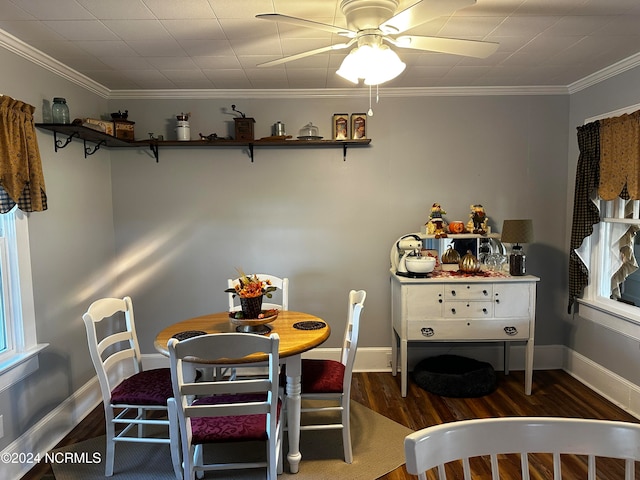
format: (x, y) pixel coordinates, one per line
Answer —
(21, 177)
(620, 156)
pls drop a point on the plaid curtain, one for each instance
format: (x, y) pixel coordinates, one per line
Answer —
(585, 213)
(21, 178)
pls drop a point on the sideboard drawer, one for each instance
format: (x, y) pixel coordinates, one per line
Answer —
(468, 291)
(468, 309)
(470, 330)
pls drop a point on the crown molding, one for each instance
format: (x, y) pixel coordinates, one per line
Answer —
(335, 92)
(43, 60)
(602, 75)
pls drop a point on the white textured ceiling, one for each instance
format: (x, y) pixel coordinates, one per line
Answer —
(216, 44)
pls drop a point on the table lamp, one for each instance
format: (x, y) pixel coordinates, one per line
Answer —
(517, 232)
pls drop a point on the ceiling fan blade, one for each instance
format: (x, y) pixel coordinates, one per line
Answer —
(301, 22)
(297, 56)
(456, 46)
(422, 12)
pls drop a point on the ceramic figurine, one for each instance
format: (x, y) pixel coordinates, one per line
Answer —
(478, 220)
(436, 225)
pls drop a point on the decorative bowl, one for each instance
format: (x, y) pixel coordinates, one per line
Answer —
(253, 325)
(420, 264)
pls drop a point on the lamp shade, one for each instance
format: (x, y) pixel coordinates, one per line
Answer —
(375, 64)
(517, 231)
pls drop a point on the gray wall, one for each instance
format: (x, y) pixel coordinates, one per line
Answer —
(189, 220)
(613, 351)
(72, 249)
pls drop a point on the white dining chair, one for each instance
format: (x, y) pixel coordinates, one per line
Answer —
(240, 412)
(127, 401)
(459, 444)
(330, 380)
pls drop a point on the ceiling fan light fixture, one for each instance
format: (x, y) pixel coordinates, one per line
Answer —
(375, 64)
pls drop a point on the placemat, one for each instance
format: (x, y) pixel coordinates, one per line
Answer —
(309, 325)
(188, 334)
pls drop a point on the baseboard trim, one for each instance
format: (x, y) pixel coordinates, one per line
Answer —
(378, 359)
(611, 386)
(46, 433)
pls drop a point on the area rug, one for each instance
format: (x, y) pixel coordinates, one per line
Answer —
(378, 448)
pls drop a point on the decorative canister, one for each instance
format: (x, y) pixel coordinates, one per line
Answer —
(183, 131)
(278, 129)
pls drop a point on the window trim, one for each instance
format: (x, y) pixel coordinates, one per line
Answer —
(616, 316)
(24, 359)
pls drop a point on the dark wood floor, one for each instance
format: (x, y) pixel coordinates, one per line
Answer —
(555, 393)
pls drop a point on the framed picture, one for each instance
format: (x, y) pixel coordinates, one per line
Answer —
(358, 125)
(340, 126)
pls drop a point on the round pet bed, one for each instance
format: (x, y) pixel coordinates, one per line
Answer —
(455, 376)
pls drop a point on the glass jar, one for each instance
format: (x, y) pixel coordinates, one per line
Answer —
(517, 261)
(60, 111)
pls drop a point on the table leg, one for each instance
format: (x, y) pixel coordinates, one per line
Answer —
(294, 367)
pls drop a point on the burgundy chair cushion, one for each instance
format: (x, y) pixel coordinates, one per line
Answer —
(239, 428)
(149, 387)
(322, 376)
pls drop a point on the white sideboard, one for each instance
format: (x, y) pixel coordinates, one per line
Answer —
(462, 309)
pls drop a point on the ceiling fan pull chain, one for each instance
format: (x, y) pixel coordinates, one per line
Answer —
(370, 112)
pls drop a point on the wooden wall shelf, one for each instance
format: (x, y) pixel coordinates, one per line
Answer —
(99, 139)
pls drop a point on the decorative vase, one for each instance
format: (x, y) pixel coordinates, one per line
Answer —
(251, 307)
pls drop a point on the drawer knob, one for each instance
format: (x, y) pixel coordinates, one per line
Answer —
(511, 331)
(497, 300)
(440, 301)
(484, 310)
(453, 293)
(453, 310)
(485, 293)
(427, 331)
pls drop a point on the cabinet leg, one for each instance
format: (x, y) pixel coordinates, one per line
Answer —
(403, 366)
(528, 367)
(394, 353)
(507, 355)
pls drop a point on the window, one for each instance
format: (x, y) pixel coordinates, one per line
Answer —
(18, 345)
(612, 297)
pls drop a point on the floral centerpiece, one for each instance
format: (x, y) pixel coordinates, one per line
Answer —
(251, 291)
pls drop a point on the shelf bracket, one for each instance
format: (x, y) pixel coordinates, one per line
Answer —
(58, 143)
(251, 151)
(154, 148)
(90, 151)
(344, 152)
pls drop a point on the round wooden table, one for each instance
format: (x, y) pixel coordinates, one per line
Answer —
(298, 333)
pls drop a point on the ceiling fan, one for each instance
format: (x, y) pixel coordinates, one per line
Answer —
(373, 23)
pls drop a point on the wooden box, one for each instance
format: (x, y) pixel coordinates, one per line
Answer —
(103, 126)
(124, 130)
(244, 129)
